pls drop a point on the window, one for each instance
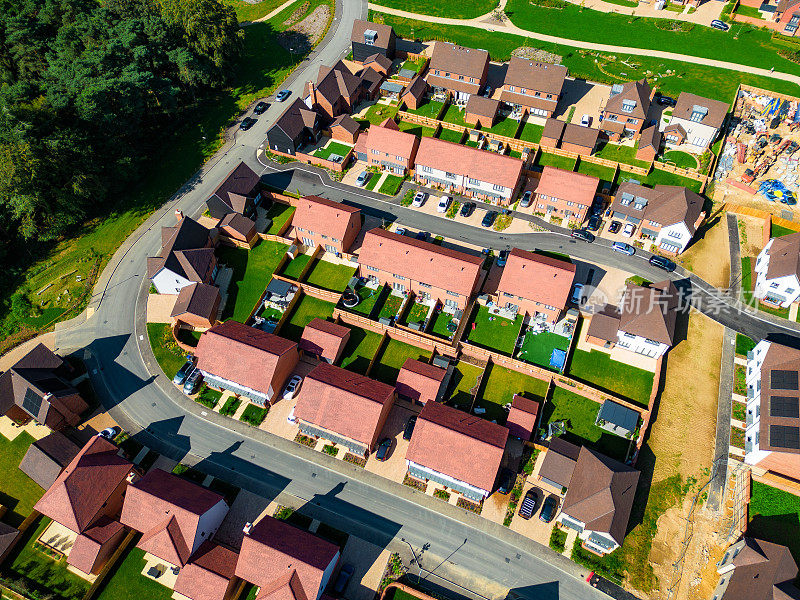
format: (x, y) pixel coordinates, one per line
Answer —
(633, 121)
(549, 96)
(400, 277)
(791, 27)
(425, 285)
(789, 290)
(538, 94)
(698, 114)
(540, 206)
(333, 239)
(472, 80)
(369, 268)
(498, 188)
(425, 169)
(436, 72)
(523, 91)
(453, 294)
(773, 285)
(450, 175)
(324, 237)
(511, 88)
(611, 117)
(399, 287)
(461, 78)
(375, 151)
(629, 335)
(654, 223)
(628, 106)
(675, 234)
(570, 203)
(300, 229)
(399, 157)
(330, 248)
(307, 241)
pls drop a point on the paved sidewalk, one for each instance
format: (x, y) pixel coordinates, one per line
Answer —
(716, 491)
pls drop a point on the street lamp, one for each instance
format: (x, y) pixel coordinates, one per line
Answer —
(419, 566)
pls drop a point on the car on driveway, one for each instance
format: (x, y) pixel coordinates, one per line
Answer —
(594, 223)
(467, 209)
(530, 503)
(110, 433)
(363, 178)
(260, 108)
(663, 263)
(444, 204)
(586, 120)
(408, 430)
(192, 383)
(247, 123)
(628, 230)
(721, 25)
(549, 508)
(283, 95)
(383, 449)
(614, 227)
(419, 199)
(623, 248)
(488, 218)
(577, 294)
(526, 199)
(582, 234)
(507, 481)
(345, 574)
(184, 371)
(502, 258)
(291, 388)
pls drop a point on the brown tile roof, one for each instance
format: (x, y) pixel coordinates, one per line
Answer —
(685, 106)
(386, 138)
(579, 135)
(87, 546)
(650, 138)
(762, 571)
(324, 216)
(568, 185)
(83, 488)
(784, 256)
(207, 575)
(274, 549)
(296, 118)
(187, 235)
(337, 81)
(380, 60)
(419, 380)
(197, 299)
(531, 75)
(650, 311)
(421, 261)
(167, 510)
(416, 87)
(483, 107)
(237, 226)
(677, 127)
(458, 60)
(664, 204)
(245, 355)
(347, 123)
(322, 337)
(384, 33)
(521, 419)
(47, 457)
(601, 493)
(778, 358)
(343, 402)
(478, 164)
(559, 462)
(7, 536)
(553, 128)
(605, 324)
(639, 92)
(458, 444)
(536, 277)
(237, 187)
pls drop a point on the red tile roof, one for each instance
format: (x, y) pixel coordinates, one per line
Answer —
(324, 338)
(167, 510)
(245, 355)
(324, 216)
(522, 417)
(87, 546)
(537, 278)
(568, 185)
(79, 494)
(488, 167)
(207, 575)
(385, 138)
(458, 444)
(275, 555)
(421, 261)
(343, 402)
(419, 381)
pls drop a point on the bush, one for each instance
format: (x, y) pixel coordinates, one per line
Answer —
(673, 25)
(531, 462)
(470, 506)
(415, 483)
(442, 495)
(452, 210)
(408, 198)
(358, 461)
(558, 539)
(502, 222)
(305, 440)
(330, 449)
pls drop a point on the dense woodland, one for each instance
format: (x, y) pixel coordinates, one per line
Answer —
(87, 90)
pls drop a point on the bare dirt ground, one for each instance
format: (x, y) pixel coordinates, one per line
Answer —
(708, 256)
(301, 37)
(751, 235)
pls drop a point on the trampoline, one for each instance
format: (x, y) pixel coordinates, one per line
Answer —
(558, 358)
(775, 191)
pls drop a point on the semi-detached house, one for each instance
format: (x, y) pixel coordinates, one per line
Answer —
(187, 257)
(778, 271)
(321, 222)
(457, 70)
(533, 87)
(429, 271)
(565, 194)
(463, 170)
(386, 147)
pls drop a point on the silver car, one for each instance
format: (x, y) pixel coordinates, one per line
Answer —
(624, 248)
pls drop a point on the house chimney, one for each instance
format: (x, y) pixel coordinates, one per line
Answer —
(178, 214)
(312, 94)
(247, 527)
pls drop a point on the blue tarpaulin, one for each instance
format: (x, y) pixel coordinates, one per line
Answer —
(558, 358)
(774, 190)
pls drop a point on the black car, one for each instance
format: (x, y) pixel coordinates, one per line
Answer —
(663, 263)
(467, 208)
(345, 574)
(594, 223)
(506, 482)
(422, 235)
(383, 449)
(614, 227)
(184, 371)
(409, 428)
(582, 234)
(530, 503)
(247, 123)
(666, 101)
(549, 508)
(598, 205)
(488, 218)
(260, 108)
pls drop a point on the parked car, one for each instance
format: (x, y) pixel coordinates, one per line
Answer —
(598, 205)
(400, 231)
(363, 178)
(291, 418)
(623, 248)
(594, 223)
(721, 25)
(422, 235)
(549, 508)
(502, 258)
(663, 263)
(283, 95)
(507, 480)
(419, 199)
(586, 120)
(383, 449)
(577, 294)
(260, 108)
(192, 383)
(345, 573)
(408, 430)
(110, 433)
(247, 123)
(628, 230)
(291, 388)
(530, 503)
(666, 101)
(467, 209)
(444, 203)
(582, 234)
(488, 218)
(614, 227)
(526, 199)
(184, 371)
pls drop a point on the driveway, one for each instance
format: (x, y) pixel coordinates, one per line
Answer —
(394, 467)
(369, 561)
(587, 98)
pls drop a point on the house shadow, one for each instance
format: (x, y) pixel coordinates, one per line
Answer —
(780, 529)
(574, 91)
(105, 371)
(165, 437)
(541, 591)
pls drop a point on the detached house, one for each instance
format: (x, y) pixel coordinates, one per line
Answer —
(321, 222)
(187, 257)
(565, 194)
(463, 170)
(695, 123)
(38, 387)
(297, 126)
(535, 285)
(344, 407)
(778, 271)
(369, 38)
(427, 270)
(772, 436)
(197, 306)
(245, 360)
(456, 449)
(668, 215)
(337, 90)
(533, 87)
(240, 193)
(457, 70)
(625, 111)
(755, 569)
(386, 147)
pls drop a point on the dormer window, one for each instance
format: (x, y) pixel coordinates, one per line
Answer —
(698, 114)
(628, 106)
(626, 199)
(370, 37)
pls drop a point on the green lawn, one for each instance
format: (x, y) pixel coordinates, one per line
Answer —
(294, 268)
(465, 377)
(360, 349)
(368, 299)
(306, 309)
(597, 369)
(279, 213)
(553, 160)
(18, 492)
(749, 11)
(531, 132)
(498, 387)
(252, 270)
(125, 581)
(391, 185)
(621, 154)
(538, 347)
(378, 113)
(430, 109)
(657, 176)
(250, 12)
(748, 285)
(390, 306)
(494, 333)
(778, 231)
(167, 352)
(744, 344)
(208, 397)
(333, 148)
(466, 9)
(416, 129)
(579, 414)
(416, 313)
(254, 415)
(46, 571)
(454, 115)
(413, 65)
(329, 276)
(230, 407)
(747, 274)
(599, 171)
(449, 135)
(682, 160)
(504, 126)
(775, 517)
(439, 324)
(392, 357)
(373, 180)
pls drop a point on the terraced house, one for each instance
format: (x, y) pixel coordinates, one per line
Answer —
(533, 87)
(625, 111)
(409, 265)
(386, 147)
(321, 222)
(463, 170)
(457, 71)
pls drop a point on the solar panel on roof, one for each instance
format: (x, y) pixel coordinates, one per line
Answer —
(784, 406)
(32, 403)
(783, 380)
(783, 436)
